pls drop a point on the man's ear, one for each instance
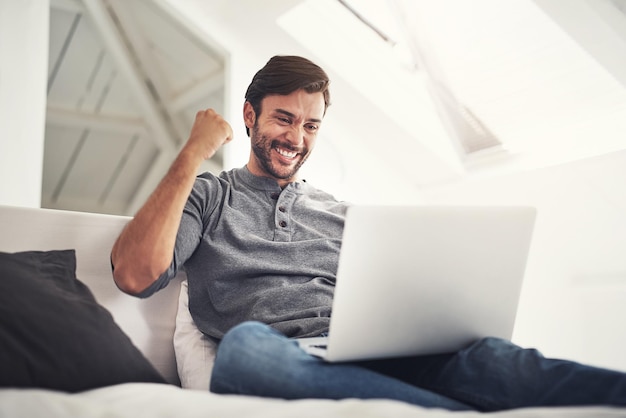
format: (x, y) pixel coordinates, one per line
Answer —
(249, 115)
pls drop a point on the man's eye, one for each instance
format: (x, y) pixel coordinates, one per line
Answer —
(284, 120)
(312, 128)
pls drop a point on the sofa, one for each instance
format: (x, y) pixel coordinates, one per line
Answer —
(73, 345)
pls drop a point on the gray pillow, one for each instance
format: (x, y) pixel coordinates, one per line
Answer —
(53, 333)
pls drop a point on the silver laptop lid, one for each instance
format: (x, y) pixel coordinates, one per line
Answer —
(420, 280)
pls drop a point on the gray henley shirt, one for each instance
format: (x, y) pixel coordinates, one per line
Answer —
(254, 251)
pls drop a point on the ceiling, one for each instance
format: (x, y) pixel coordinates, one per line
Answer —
(451, 89)
(125, 80)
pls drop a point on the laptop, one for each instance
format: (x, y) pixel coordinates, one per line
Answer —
(416, 280)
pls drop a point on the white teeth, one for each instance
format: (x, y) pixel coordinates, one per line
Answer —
(288, 154)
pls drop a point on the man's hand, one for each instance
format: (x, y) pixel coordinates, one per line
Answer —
(209, 132)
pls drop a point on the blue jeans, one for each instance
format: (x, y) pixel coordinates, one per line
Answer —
(490, 375)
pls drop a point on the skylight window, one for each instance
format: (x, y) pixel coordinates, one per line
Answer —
(388, 21)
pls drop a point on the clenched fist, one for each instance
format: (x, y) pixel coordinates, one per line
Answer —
(209, 132)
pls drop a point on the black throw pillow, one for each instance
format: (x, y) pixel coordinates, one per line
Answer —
(53, 333)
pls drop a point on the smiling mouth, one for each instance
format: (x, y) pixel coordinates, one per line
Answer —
(286, 153)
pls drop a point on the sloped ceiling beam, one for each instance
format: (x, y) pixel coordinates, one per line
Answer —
(115, 46)
(137, 42)
(64, 117)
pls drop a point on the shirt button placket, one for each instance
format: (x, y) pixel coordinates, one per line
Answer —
(282, 215)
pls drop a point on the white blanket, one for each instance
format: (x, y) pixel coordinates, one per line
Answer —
(152, 400)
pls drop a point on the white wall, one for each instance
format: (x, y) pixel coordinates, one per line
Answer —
(574, 298)
(23, 78)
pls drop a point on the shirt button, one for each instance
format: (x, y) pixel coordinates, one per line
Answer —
(275, 196)
(283, 224)
(282, 208)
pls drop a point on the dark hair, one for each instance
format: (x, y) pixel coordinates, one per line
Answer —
(282, 75)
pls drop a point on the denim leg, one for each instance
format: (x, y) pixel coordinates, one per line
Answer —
(494, 374)
(253, 359)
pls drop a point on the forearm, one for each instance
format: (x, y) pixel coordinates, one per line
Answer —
(145, 247)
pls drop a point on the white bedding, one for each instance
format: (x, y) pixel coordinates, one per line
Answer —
(135, 400)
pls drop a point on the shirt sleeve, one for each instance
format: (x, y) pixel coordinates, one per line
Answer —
(196, 214)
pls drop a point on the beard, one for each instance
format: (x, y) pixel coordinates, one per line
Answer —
(263, 147)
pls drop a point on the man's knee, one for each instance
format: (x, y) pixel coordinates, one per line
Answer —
(249, 354)
(245, 334)
(243, 344)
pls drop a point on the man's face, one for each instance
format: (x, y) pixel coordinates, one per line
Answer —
(284, 134)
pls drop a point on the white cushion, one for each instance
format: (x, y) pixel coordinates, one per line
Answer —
(195, 352)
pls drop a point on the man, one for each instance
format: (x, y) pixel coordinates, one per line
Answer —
(260, 248)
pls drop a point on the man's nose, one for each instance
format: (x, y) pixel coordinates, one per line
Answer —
(295, 135)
